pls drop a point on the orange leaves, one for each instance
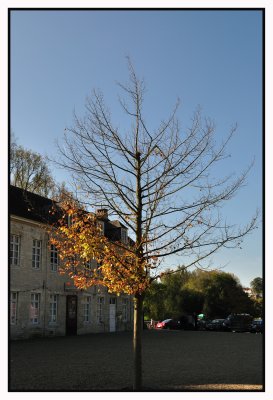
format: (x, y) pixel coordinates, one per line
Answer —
(118, 268)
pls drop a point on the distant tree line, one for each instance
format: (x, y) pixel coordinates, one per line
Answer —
(257, 286)
(29, 171)
(213, 293)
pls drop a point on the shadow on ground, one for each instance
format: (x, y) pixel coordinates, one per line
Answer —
(172, 361)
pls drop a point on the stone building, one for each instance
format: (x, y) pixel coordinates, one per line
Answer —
(43, 302)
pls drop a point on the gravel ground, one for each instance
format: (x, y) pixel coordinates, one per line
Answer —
(172, 360)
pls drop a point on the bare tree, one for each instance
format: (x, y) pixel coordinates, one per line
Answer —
(158, 182)
(29, 170)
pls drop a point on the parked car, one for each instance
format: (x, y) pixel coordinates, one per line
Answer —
(186, 322)
(238, 323)
(201, 325)
(215, 325)
(168, 324)
(257, 326)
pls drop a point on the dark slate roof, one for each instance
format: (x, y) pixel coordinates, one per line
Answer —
(111, 231)
(118, 224)
(35, 207)
(30, 205)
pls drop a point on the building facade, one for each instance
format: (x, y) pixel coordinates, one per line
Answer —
(43, 302)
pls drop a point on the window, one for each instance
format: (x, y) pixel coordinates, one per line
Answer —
(36, 253)
(53, 307)
(90, 265)
(100, 303)
(14, 249)
(125, 310)
(13, 307)
(35, 308)
(87, 309)
(101, 226)
(69, 220)
(123, 235)
(54, 259)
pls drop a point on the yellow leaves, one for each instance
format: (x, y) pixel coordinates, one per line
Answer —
(118, 269)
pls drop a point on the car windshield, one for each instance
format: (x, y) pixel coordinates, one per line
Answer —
(166, 320)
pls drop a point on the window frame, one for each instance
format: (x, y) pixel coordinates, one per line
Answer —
(99, 311)
(87, 310)
(54, 258)
(123, 235)
(53, 308)
(13, 310)
(101, 225)
(13, 251)
(35, 299)
(36, 259)
(125, 313)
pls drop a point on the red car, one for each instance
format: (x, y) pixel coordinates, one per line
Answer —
(168, 324)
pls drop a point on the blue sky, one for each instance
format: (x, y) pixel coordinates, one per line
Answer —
(208, 58)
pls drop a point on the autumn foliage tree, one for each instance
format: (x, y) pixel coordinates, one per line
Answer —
(79, 239)
(159, 182)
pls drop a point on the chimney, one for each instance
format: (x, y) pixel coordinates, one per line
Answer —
(102, 213)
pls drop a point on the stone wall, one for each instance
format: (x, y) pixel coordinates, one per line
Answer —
(25, 281)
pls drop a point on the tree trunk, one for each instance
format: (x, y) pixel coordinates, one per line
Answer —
(137, 341)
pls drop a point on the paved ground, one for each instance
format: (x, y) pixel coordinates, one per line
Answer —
(173, 360)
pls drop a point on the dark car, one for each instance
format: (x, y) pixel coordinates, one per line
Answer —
(201, 325)
(215, 325)
(168, 324)
(186, 323)
(257, 326)
(238, 323)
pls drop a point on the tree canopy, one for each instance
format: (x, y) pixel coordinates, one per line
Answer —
(214, 293)
(257, 285)
(29, 171)
(78, 237)
(160, 182)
